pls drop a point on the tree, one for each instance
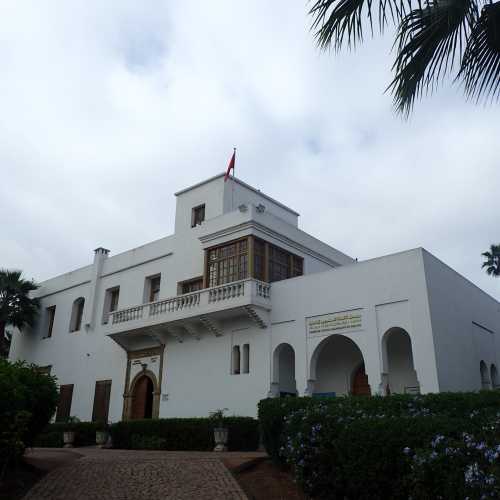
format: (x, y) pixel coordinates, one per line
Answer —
(4, 348)
(433, 38)
(17, 308)
(492, 260)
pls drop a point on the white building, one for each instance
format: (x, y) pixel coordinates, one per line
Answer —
(240, 303)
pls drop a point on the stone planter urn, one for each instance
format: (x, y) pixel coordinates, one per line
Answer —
(220, 438)
(68, 439)
(101, 438)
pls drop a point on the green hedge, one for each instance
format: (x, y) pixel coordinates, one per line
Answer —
(272, 412)
(194, 434)
(356, 447)
(52, 435)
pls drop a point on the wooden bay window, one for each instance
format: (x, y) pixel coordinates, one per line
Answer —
(250, 257)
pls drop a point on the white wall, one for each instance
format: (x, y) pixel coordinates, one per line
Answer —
(390, 291)
(198, 379)
(236, 193)
(211, 194)
(451, 323)
(466, 325)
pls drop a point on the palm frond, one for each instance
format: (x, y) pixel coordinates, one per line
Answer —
(339, 21)
(429, 42)
(480, 67)
(492, 261)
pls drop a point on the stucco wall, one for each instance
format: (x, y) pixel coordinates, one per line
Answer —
(466, 325)
(451, 323)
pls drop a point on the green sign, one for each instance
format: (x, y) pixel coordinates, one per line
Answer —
(346, 320)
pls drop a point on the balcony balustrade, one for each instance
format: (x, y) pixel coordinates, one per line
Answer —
(246, 297)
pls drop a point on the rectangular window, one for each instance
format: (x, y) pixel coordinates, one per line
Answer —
(154, 288)
(228, 263)
(259, 259)
(115, 295)
(197, 215)
(279, 264)
(236, 360)
(246, 358)
(64, 406)
(190, 286)
(298, 266)
(110, 302)
(51, 314)
(102, 395)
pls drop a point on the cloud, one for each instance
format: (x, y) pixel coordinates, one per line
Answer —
(110, 107)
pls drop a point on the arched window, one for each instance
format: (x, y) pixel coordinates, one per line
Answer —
(283, 383)
(246, 358)
(77, 315)
(236, 360)
(485, 377)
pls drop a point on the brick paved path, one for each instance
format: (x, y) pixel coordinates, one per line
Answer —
(138, 475)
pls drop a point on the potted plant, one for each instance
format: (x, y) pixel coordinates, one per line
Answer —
(69, 432)
(220, 432)
(101, 433)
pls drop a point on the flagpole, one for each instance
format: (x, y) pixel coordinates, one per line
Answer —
(234, 175)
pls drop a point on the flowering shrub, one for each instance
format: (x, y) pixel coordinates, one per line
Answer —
(465, 467)
(364, 447)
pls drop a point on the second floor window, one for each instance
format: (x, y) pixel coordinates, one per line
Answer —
(279, 264)
(228, 263)
(231, 262)
(153, 285)
(110, 302)
(77, 315)
(191, 285)
(51, 314)
(197, 215)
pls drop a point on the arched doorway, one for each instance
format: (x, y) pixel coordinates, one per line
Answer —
(338, 368)
(284, 371)
(142, 398)
(399, 369)
(360, 386)
(485, 376)
(494, 377)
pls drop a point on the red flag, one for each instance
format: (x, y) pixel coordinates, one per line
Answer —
(230, 166)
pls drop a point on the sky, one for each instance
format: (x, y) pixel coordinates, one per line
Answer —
(108, 108)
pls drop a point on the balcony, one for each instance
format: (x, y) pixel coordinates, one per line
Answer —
(191, 315)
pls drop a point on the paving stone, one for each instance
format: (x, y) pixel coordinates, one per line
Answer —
(136, 476)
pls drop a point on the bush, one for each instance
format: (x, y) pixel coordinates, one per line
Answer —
(28, 400)
(457, 468)
(52, 435)
(354, 447)
(193, 434)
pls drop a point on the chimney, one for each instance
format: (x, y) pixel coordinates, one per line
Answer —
(100, 255)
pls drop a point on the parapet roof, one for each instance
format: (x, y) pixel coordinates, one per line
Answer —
(241, 183)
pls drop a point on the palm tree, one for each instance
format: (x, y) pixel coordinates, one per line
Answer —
(492, 260)
(17, 308)
(434, 38)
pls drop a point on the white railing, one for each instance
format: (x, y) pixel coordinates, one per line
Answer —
(194, 300)
(174, 303)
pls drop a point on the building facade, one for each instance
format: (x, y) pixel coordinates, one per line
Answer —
(240, 304)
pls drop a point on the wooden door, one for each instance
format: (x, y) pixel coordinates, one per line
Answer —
(64, 406)
(142, 398)
(360, 386)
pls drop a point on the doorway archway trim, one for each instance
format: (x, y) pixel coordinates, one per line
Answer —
(156, 380)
